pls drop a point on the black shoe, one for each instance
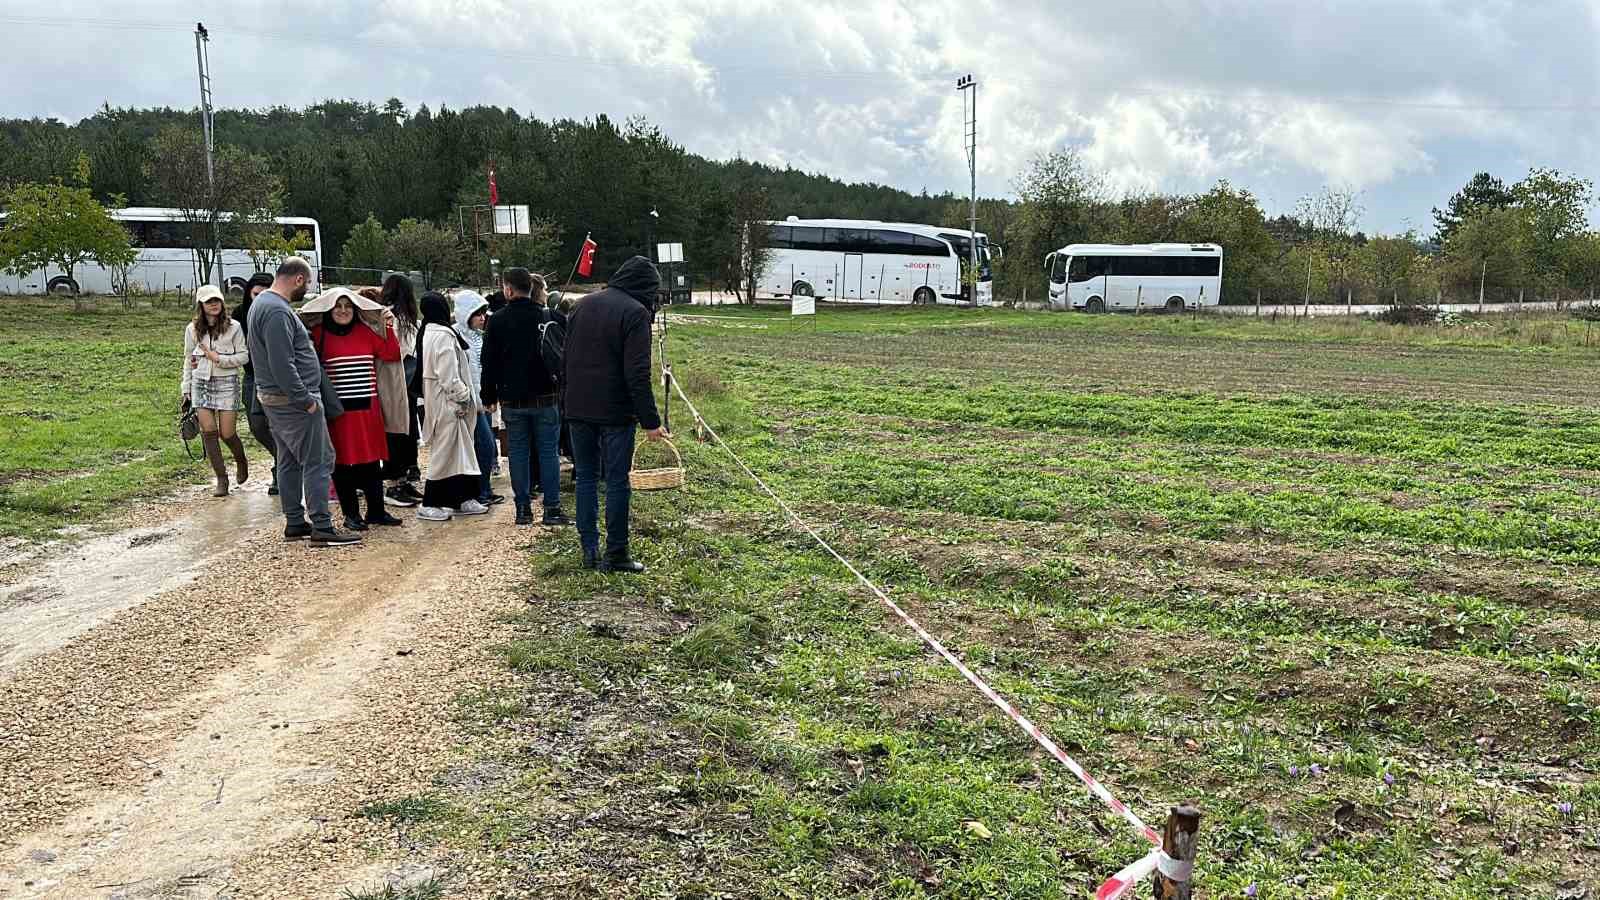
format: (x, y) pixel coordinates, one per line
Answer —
(591, 561)
(494, 500)
(623, 566)
(410, 492)
(413, 474)
(296, 532)
(384, 519)
(272, 489)
(399, 497)
(331, 538)
(524, 516)
(554, 518)
(355, 523)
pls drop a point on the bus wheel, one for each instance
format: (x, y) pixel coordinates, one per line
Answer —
(62, 286)
(1095, 305)
(1174, 304)
(924, 297)
(802, 289)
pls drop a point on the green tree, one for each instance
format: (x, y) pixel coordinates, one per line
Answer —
(1490, 248)
(751, 207)
(367, 247)
(56, 225)
(1556, 210)
(1388, 264)
(427, 249)
(244, 191)
(1482, 191)
(1232, 218)
(1061, 201)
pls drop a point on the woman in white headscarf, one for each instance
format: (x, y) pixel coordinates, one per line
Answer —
(451, 415)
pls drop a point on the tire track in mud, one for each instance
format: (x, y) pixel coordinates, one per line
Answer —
(149, 754)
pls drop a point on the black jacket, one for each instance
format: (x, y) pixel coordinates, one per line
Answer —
(608, 351)
(513, 367)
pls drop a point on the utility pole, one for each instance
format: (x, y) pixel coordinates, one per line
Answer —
(202, 58)
(970, 128)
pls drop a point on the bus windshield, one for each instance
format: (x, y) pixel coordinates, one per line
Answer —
(963, 247)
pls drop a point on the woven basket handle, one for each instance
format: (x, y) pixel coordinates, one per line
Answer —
(670, 447)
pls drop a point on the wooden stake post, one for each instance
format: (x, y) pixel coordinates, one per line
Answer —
(1179, 840)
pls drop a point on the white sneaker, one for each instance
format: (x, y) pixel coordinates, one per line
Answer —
(471, 508)
(433, 514)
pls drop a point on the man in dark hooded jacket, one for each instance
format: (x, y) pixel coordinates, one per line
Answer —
(608, 396)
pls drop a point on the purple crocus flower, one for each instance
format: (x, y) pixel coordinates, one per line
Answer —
(1565, 809)
(1250, 891)
(1316, 770)
(1294, 771)
(1387, 778)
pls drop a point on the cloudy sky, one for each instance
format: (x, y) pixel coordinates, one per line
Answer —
(1401, 100)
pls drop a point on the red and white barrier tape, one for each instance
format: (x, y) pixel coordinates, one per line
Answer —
(1116, 886)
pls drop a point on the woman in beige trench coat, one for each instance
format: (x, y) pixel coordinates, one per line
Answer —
(450, 413)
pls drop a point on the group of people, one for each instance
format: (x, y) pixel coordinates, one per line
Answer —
(343, 390)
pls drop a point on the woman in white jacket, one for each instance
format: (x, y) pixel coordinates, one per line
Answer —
(472, 316)
(451, 414)
(214, 354)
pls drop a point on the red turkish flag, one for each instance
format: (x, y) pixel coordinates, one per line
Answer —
(586, 257)
(494, 191)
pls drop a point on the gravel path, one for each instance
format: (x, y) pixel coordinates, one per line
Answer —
(213, 737)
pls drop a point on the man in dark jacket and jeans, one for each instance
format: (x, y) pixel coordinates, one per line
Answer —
(514, 376)
(608, 397)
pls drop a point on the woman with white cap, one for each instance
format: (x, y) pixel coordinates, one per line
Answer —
(214, 353)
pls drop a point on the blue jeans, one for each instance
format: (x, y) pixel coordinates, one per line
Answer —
(527, 426)
(483, 442)
(608, 448)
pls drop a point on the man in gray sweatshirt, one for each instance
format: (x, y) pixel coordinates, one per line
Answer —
(289, 386)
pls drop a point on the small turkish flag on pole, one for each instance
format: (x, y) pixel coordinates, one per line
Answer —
(494, 191)
(586, 257)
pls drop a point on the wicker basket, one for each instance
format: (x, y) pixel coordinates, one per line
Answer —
(657, 479)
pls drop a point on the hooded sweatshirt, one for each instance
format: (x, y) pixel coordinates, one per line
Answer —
(608, 351)
(469, 304)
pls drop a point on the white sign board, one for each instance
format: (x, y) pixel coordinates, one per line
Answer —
(802, 306)
(669, 253)
(511, 219)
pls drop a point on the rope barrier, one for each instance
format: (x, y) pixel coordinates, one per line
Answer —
(1114, 887)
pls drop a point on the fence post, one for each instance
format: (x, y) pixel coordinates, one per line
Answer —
(1138, 304)
(1349, 309)
(1179, 844)
(1258, 303)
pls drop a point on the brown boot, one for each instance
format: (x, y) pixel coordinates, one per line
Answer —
(214, 453)
(241, 465)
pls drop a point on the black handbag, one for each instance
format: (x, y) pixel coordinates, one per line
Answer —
(188, 425)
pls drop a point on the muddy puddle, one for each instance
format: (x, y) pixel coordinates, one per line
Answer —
(84, 584)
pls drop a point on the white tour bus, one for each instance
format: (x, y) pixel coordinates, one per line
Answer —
(868, 260)
(1098, 277)
(165, 259)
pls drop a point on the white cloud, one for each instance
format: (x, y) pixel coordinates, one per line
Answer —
(1405, 99)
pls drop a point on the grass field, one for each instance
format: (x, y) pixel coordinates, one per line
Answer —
(87, 401)
(1334, 582)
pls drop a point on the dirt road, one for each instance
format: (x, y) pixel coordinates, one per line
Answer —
(185, 705)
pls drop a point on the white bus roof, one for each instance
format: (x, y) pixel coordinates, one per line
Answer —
(1138, 249)
(168, 214)
(911, 227)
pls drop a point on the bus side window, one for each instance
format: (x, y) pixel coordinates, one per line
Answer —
(1086, 267)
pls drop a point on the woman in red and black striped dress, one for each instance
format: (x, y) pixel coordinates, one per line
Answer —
(350, 351)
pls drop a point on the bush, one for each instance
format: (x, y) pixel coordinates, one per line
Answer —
(1409, 315)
